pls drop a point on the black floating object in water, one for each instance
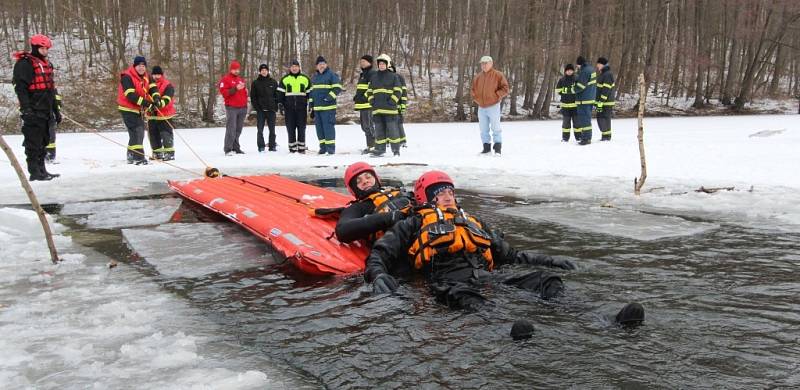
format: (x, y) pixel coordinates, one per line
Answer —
(631, 315)
(521, 330)
(212, 172)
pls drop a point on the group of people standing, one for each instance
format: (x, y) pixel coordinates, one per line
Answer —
(380, 99)
(582, 93)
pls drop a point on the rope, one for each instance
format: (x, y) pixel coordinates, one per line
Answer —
(182, 139)
(63, 115)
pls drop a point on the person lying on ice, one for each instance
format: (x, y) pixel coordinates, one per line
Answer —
(458, 252)
(376, 208)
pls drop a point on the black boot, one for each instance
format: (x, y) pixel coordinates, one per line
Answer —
(631, 315)
(486, 148)
(50, 156)
(168, 156)
(497, 147)
(605, 137)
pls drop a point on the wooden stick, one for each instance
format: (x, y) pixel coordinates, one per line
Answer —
(48, 234)
(639, 183)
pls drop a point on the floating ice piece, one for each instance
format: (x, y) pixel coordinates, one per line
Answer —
(609, 220)
(123, 213)
(191, 250)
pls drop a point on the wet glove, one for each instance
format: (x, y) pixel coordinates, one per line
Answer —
(393, 217)
(384, 284)
(530, 258)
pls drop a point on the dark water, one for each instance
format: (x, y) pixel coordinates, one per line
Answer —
(722, 312)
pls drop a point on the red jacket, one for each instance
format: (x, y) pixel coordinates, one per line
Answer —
(166, 90)
(140, 91)
(233, 97)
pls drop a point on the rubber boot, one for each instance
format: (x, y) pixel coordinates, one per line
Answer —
(497, 148)
(631, 315)
(487, 148)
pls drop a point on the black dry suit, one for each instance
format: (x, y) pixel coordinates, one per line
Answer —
(376, 211)
(457, 252)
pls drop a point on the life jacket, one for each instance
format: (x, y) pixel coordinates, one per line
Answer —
(447, 232)
(387, 200)
(168, 111)
(42, 73)
(141, 84)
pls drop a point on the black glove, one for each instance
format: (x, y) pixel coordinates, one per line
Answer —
(530, 258)
(58, 117)
(312, 114)
(280, 109)
(393, 217)
(27, 114)
(384, 284)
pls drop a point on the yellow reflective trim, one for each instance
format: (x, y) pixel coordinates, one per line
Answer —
(135, 147)
(126, 109)
(395, 140)
(585, 102)
(327, 142)
(592, 82)
(395, 99)
(58, 97)
(360, 106)
(295, 94)
(362, 86)
(580, 85)
(51, 146)
(140, 100)
(563, 130)
(569, 105)
(332, 94)
(604, 97)
(382, 90)
(381, 141)
(324, 108)
(384, 112)
(129, 91)
(160, 118)
(399, 89)
(167, 98)
(606, 132)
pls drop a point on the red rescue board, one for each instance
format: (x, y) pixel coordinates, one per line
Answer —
(280, 211)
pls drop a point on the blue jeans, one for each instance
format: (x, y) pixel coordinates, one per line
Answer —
(490, 117)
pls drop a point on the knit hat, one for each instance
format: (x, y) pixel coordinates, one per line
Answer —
(602, 60)
(295, 62)
(569, 67)
(235, 65)
(157, 70)
(367, 57)
(580, 61)
(139, 60)
(263, 66)
(435, 189)
(320, 59)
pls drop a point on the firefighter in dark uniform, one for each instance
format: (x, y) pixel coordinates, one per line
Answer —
(376, 208)
(384, 94)
(36, 91)
(605, 98)
(50, 153)
(566, 88)
(402, 107)
(585, 93)
(159, 126)
(458, 252)
(135, 93)
(362, 105)
(293, 104)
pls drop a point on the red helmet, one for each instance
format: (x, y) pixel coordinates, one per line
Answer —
(41, 40)
(356, 169)
(426, 180)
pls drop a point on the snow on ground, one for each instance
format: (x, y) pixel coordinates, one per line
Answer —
(755, 154)
(83, 325)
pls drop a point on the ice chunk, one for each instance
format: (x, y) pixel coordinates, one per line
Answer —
(123, 213)
(610, 220)
(195, 249)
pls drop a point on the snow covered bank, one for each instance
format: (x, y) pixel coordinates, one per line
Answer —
(746, 152)
(82, 325)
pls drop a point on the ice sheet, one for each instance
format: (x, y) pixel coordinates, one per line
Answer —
(123, 213)
(81, 325)
(611, 220)
(194, 249)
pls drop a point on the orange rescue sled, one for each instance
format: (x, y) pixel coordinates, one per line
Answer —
(280, 211)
